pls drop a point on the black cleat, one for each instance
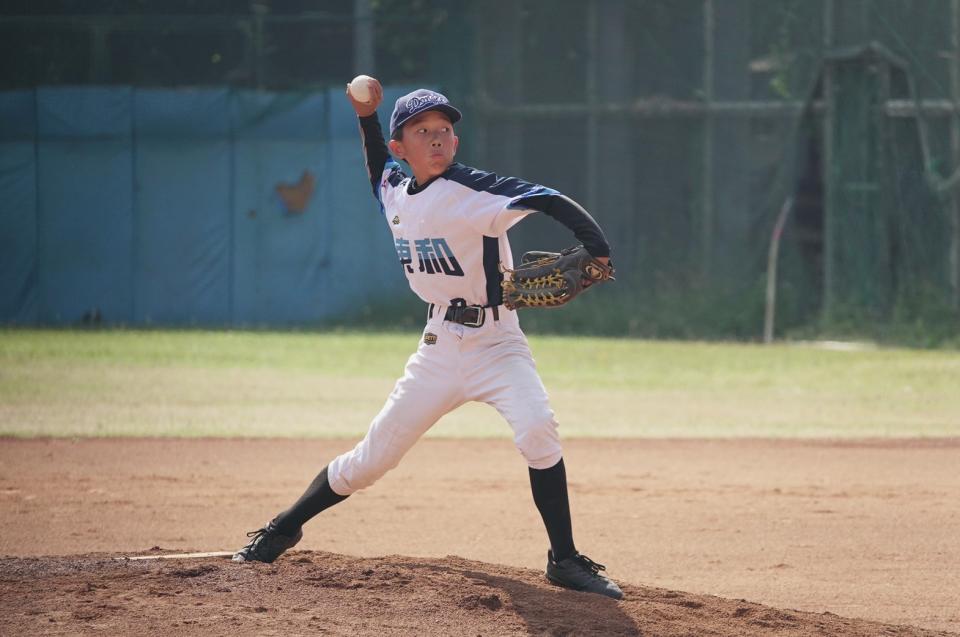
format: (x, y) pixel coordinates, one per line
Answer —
(267, 544)
(580, 573)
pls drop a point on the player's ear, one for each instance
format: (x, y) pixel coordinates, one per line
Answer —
(396, 149)
(456, 144)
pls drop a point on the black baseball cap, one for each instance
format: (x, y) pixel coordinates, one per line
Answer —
(420, 101)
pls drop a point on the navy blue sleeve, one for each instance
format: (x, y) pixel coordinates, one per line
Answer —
(572, 215)
(375, 151)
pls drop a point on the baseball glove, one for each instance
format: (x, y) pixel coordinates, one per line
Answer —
(552, 279)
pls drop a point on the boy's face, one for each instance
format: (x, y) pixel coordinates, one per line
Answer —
(427, 143)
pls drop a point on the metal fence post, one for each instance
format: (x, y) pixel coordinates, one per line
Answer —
(363, 37)
(99, 55)
(954, 258)
(707, 212)
(592, 133)
(828, 159)
(259, 45)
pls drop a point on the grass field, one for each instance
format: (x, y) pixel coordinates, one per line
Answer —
(230, 383)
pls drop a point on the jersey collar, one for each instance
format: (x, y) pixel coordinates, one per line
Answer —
(414, 188)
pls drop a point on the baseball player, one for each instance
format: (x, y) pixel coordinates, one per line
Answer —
(449, 224)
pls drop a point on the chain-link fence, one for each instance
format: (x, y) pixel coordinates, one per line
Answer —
(688, 127)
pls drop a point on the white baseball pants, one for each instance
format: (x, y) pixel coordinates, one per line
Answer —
(490, 364)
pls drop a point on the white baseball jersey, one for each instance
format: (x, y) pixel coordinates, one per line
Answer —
(451, 236)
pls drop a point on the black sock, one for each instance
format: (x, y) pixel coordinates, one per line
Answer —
(550, 495)
(316, 498)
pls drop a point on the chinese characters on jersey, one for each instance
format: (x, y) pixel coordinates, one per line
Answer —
(434, 256)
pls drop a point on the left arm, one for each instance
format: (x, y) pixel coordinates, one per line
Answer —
(573, 216)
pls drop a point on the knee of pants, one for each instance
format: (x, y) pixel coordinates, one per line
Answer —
(539, 443)
(360, 467)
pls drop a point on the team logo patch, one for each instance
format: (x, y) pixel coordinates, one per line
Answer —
(430, 338)
(396, 220)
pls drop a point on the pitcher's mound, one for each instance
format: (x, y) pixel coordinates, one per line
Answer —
(324, 593)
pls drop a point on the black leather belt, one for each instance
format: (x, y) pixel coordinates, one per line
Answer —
(469, 315)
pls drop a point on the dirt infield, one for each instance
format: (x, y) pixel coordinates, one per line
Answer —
(867, 530)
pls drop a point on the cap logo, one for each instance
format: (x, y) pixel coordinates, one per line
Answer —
(420, 101)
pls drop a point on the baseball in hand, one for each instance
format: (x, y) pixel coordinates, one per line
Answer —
(359, 88)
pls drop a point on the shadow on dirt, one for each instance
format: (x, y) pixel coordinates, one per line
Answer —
(546, 610)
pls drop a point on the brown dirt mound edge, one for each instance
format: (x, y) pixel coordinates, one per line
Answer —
(331, 594)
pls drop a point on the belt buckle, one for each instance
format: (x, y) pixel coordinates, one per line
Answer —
(481, 316)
